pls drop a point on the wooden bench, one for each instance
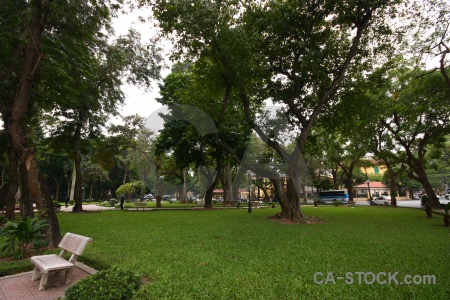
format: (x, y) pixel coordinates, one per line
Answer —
(142, 205)
(43, 264)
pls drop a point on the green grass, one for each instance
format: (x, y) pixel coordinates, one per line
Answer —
(230, 254)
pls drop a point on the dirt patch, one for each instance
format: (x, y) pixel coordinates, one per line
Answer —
(146, 280)
(307, 220)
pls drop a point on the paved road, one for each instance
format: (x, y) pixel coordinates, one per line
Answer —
(403, 203)
(91, 207)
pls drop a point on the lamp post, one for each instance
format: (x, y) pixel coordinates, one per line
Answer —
(249, 178)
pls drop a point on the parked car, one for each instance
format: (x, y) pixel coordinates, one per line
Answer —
(149, 196)
(383, 200)
(166, 197)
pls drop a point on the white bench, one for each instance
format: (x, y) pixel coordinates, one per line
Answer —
(140, 205)
(43, 264)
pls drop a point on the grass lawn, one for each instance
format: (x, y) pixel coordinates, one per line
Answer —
(230, 254)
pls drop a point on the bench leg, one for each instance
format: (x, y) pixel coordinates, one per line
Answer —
(44, 280)
(68, 275)
(36, 274)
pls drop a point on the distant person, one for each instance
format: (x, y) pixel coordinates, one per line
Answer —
(66, 200)
(122, 200)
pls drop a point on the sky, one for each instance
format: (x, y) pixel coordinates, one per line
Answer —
(138, 101)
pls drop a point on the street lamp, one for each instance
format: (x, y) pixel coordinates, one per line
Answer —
(249, 178)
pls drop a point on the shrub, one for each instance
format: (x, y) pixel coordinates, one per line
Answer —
(3, 221)
(336, 203)
(425, 200)
(108, 284)
(22, 234)
(57, 206)
(15, 267)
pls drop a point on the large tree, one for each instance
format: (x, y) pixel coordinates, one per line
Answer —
(98, 95)
(420, 118)
(204, 115)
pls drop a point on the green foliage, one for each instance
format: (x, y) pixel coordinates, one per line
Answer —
(108, 284)
(425, 200)
(336, 203)
(19, 235)
(15, 267)
(129, 187)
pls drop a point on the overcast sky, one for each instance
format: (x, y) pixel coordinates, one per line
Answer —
(138, 101)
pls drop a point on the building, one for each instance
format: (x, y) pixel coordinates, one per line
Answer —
(377, 167)
(377, 189)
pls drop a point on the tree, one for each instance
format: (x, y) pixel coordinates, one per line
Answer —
(135, 148)
(129, 187)
(420, 118)
(99, 96)
(93, 173)
(21, 60)
(431, 36)
(204, 116)
(295, 53)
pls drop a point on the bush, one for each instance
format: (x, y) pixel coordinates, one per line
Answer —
(425, 200)
(108, 284)
(3, 221)
(15, 267)
(57, 206)
(336, 203)
(22, 234)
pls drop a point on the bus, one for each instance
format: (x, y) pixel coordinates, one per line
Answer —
(331, 195)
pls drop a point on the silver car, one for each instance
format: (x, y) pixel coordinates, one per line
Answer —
(383, 200)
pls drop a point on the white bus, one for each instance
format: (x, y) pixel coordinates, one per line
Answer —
(331, 195)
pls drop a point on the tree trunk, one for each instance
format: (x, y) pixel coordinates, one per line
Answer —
(18, 110)
(434, 201)
(392, 187)
(230, 195)
(335, 179)
(289, 202)
(447, 220)
(78, 207)
(208, 197)
(185, 177)
(236, 182)
(58, 183)
(2, 182)
(12, 185)
(305, 196)
(90, 192)
(159, 187)
(26, 202)
(52, 220)
(125, 175)
(72, 183)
